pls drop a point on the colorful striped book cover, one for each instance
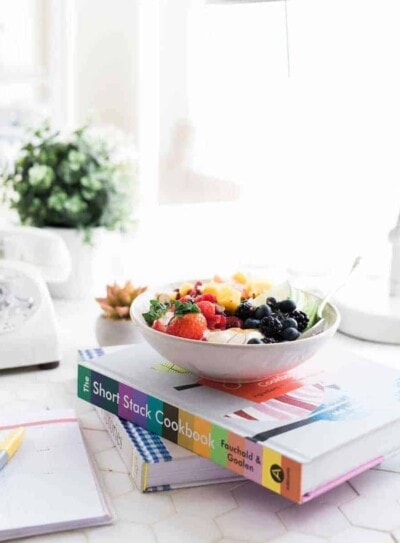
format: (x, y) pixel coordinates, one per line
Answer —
(297, 434)
(154, 463)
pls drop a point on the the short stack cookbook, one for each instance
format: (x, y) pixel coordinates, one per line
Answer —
(156, 464)
(299, 433)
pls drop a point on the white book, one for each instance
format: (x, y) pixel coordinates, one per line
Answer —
(299, 433)
(156, 464)
(49, 484)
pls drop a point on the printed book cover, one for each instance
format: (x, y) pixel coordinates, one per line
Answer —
(299, 433)
(154, 463)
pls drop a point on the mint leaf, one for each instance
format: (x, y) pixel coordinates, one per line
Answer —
(183, 308)
(157, 310)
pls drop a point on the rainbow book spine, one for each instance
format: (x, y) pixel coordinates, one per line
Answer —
(240, 454)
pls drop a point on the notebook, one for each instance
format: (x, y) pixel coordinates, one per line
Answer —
(49, 485)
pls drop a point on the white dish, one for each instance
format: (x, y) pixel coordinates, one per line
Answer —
(230, 362)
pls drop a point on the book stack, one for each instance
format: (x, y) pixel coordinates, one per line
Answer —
(154, 463)
(299, 433)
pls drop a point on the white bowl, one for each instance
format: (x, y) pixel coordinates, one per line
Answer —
(232, 363)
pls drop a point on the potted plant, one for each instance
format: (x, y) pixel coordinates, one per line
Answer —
(75, 185)
(113, 326)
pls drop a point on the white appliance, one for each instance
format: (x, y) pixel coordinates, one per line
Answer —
(370, 304)
(29, 257)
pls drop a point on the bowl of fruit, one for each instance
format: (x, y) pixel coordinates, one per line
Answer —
(236, 330)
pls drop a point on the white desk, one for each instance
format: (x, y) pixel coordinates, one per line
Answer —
(365, 510)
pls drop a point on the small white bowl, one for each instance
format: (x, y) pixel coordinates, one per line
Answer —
(232, 363)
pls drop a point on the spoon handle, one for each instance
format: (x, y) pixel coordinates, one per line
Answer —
(335, 288)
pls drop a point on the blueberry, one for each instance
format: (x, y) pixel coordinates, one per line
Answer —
(254, 341)
(262, 311)
(290, 334)
(272, 303)
(287, 306)
(289, 323)
(251, 323)
(269, 340)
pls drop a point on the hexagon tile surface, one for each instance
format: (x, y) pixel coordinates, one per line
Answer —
(366, 510)
(374, 483)
(360, 535)
(374, 513)
(314, 518)
(250, 524)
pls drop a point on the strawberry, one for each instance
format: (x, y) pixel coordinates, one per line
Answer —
(159, 326)
(206, 298)
(186, 298)
(188, 326)
(207, 308)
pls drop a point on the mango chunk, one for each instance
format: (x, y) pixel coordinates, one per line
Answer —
(229, 297)
(258, 286)
(211, 288)
(240, 277)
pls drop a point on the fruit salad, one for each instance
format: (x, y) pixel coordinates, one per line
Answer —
(234, 311)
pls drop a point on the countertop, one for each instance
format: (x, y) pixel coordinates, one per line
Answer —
(366, 509)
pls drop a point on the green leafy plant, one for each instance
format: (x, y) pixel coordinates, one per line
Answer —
(69, 181)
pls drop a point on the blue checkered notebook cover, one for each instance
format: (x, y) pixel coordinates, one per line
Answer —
(148, 445)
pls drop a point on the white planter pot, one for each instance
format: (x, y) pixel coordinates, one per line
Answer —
(80, 281)
(122, 332)
(93, 265)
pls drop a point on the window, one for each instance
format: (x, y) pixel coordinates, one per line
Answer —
(297, 104)
(23, 59)
(33, 67)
